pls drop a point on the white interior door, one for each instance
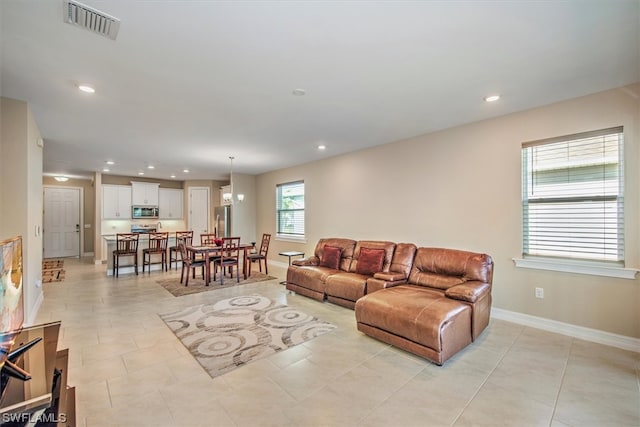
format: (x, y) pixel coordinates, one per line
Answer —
(198, 212)
(61, 222)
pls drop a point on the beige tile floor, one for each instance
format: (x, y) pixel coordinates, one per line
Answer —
(130, 370)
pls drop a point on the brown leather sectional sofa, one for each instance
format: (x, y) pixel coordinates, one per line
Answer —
(432, 302)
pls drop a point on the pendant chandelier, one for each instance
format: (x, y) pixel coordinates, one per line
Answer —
(228, 197)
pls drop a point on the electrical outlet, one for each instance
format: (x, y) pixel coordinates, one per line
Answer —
(539, 293)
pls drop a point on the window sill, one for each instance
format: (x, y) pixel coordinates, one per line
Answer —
(568, 266)
(291, 239)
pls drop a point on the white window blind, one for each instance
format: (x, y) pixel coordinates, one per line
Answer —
(572, 204)
(290, 209)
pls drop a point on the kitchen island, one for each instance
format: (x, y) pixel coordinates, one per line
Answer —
(143, 243)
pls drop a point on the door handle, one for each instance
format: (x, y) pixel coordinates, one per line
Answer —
(77, 228)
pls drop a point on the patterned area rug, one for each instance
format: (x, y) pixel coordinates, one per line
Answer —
(52, 270)
(177, 289)
(235, 331)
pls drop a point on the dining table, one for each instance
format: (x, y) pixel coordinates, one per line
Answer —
(206, 250)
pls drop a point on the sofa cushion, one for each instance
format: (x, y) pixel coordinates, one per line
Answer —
(444, 268)
(347, 246)
(388, 248)
(370, 261)
(346, 286)
(331, 257)
(415, 313)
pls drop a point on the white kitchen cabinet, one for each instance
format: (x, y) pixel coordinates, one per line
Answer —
(116, 202)
(171, 202)
(144, 193)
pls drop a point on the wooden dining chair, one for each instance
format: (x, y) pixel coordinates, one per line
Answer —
(208, 239)
(157, 246)
(187, 238)
(229, 256)
(190, 263)
(261, 255)
(126, 246)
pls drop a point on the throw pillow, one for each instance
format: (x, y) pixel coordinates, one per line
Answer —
(331, 257)
(370, 261)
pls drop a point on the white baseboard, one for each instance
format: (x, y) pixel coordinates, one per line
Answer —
(279, 264)
(588, 334)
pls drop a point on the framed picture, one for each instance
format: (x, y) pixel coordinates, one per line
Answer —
(11, 305)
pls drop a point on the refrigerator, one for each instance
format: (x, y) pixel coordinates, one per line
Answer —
(222, 221)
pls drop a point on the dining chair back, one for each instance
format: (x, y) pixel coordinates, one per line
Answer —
(184, 236)
(157, 246)
(189, 263)
(208, 239)
(126, 246)
(261, 255)
(229, 256)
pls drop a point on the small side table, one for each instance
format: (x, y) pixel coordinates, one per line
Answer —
(290, 254)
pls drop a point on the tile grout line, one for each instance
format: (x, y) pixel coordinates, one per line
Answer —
(487, 377)
(564, 371)
(360, 421)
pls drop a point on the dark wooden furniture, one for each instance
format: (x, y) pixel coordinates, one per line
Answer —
(211, 251)
(229, 256)
(126, 246)
(157, 246)
(208, 239)
(191, 261)
(187, 238)
(261, 255)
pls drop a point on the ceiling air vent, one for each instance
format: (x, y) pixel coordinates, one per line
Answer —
(90, 19)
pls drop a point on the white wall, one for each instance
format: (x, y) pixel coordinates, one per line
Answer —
(461, 188)
(244, 213)
(21, 202)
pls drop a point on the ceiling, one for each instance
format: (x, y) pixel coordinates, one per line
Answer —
(186, 84)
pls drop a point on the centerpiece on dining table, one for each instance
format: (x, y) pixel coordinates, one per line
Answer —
(218, 242)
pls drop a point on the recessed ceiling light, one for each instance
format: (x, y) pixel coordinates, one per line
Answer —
(173, 176)
(106, 170)
(322, 147)
(110, 162)
(491, 98)
(140, 173)
(186, 171)
(61, 178)
(86, 88)
(151, 167)
(299, 92)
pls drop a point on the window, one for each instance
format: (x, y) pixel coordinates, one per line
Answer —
(572, 197)
(290, 210)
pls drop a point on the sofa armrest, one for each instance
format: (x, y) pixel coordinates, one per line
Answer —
(391, 276)
(468, 291)
(312, 260)
(375, 284)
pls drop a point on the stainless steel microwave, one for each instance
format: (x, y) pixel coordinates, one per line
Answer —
(144, 212)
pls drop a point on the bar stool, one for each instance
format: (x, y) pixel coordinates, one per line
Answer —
(185, 237)
(126, 245)
(157, 246)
